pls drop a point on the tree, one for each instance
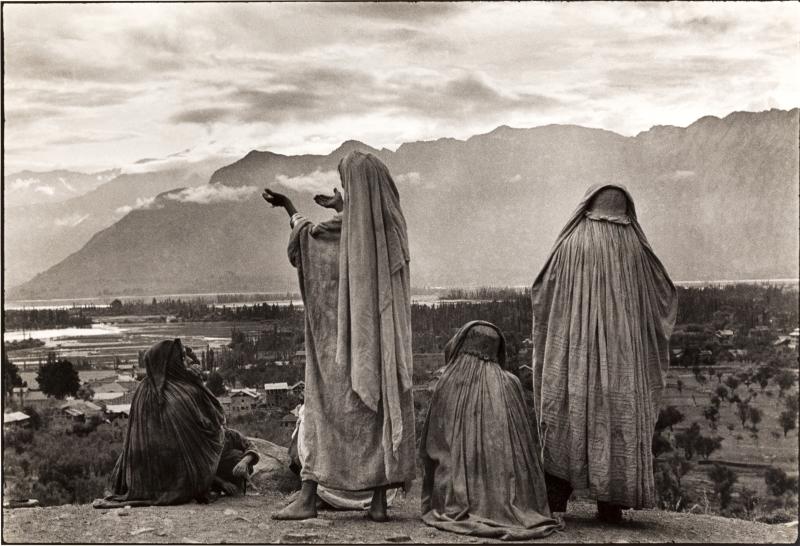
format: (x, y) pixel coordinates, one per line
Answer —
(755, 417)
(679, 385)
(721, 392)
(784, 380)
(743, 411)
(791, 403)
(215, 384)
(58, 378)
(788, 420)
(687, 440)
(85, 392)
(705, 446)
(723, 479)
(660, 445)
(668, 417)
(711, 413)
(778, 482)
(732, 381)
(11, 377)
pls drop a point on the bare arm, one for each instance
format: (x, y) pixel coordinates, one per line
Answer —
(279, 200)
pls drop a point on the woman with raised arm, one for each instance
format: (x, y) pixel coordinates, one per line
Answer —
(603, 311)
(479, 449)
(354, 279)
(175, 435)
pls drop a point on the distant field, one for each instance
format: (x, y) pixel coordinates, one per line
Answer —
(767, 450)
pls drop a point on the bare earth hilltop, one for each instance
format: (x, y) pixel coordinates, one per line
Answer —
(247, 520)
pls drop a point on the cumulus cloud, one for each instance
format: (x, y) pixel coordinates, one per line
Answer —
(71, 220)
(23, 183)
(141, 203)
(317, 182)
(46, 189)
(381, 73)
(212, 193)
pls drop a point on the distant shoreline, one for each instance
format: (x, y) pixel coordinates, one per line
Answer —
(284, 298)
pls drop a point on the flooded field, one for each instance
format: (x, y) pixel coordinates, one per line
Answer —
(104, 343)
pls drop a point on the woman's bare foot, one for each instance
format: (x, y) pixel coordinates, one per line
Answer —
(304, 506)
(377, 508)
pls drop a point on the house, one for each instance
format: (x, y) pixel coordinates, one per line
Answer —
(113, 391)
(676, 355)
(267, 356)
(28, 397)
(16, 419)
(276, 394)
(289, 421)
(737, 354)
(299, 388)
(299, 358)
(226, 402)
(243, 400)
(725, 337)
(118, 414)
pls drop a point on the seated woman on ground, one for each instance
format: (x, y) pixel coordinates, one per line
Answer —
(480, 450)
(174, 438)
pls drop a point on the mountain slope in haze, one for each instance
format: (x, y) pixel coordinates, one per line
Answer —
(33, 188)
(717, 200)
(39, 235)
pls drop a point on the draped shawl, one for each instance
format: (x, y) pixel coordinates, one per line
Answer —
(335, 415)
(374, 305)
(603, 312)
(480, 454)
(174, 438)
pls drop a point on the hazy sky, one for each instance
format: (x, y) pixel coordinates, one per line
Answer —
(89, 87)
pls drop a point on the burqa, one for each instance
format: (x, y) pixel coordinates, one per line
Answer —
(479, 449)
(174, 439)
(603, 311)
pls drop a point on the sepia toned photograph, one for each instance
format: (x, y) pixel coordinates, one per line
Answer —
(400, 272)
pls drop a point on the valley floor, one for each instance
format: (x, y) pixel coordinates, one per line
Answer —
(246, 520)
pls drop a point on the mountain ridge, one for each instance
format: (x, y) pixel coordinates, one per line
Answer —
(484, 210)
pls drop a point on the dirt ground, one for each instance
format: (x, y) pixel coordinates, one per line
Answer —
(247, 520)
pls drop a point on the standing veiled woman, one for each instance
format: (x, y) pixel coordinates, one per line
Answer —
(480, 451)
(603, 311)
(174, 438)
(354, 279)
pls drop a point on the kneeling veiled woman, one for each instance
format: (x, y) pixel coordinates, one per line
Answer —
(479, 448)
(174, 438)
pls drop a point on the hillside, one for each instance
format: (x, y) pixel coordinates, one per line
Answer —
(246, 520)
(717, 200)
(38, 235)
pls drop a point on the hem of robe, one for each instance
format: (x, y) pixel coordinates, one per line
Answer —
(476, 527)
(330, 485)
(586, 490)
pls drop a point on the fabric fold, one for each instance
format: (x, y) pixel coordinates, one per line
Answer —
(603, 312)
(481, 470)
(374, 306)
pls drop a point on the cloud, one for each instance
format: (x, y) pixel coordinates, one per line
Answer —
(23, 183)
(47, 190)
(412, 179)
(514, 179)
(141, 203)
(212, 193)
(316, 182)
(704, 24)
(70, 221)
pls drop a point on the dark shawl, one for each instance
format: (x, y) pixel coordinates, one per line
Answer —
(175, 435)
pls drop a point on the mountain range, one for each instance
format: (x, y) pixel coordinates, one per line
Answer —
(717, 200)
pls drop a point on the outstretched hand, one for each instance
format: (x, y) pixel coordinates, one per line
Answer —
(279, 200)
(274, 198)
(334, 201)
